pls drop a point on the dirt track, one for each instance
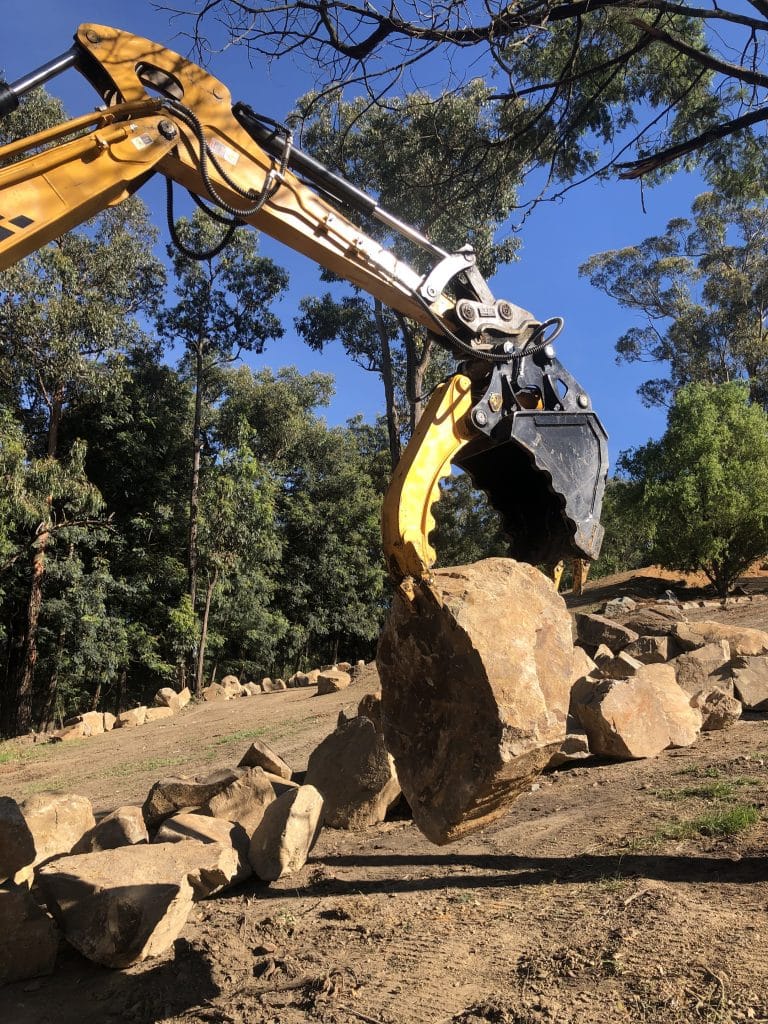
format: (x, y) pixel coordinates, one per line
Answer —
(592, 901)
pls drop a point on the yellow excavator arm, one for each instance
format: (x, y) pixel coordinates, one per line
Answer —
(511, 416)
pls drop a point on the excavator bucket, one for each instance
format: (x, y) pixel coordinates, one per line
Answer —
(546, 478)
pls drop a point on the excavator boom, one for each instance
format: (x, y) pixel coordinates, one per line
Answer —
(511, 416)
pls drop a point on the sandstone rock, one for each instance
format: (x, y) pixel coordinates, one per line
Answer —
(750, 680)
(623, 719)
(575, 747)
(267, 685)
(57, 822)
(280, 684)
(344, 666)
(652, 650)
(29, 940)
(332, 681)
(123, 827)
(279, 784)
(109, 721)
(170, 795)
(288, 831)
(355, 775)
(705, 668)
(683, 720)
(654, 621)
(118, 907)
(167, 698)
(185, 696)
(474, 702)
(214, 692)
(298, 679)
(205, 829)
(251, 689)
(93, 722)
(616, 666)
(17, 844)
(719, 709)
(243, 800)
(260, 755)
(618, 606)
(131, 718)
(231, 687)
(743, 641)
(370, 707)
(154, 714)
(584, 679)
(593, 630)
(76, 731)
(312, 676)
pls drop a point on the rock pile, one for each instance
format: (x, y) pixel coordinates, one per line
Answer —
(121, 890)
(647, 679)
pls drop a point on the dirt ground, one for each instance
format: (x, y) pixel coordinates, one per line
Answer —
(605, 895)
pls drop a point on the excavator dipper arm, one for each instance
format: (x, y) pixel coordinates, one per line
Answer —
(511, 416)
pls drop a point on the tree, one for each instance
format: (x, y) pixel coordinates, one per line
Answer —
(67, 320)
(573, 78)
(705, 483)
(423, 161)
(223, 311)
(702, 290)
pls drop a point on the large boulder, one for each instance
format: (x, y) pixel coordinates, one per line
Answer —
(118, 907)
(653, 621)
(205, 829)
(123, 827)
(355, 775)
(287, 832)
(743, 642)
(176, 792)
(260, 755)
(214, 692)
(652, 650)
(131, 718)
(231, 686)
(29, 940)
(704, 668)
(17, 844)
(244, 800)
(593, 630)
(750, 680)
(57, 822)
(154, 714)
(476, 671)
(640, 716)
(332, 680)
(719, 709)
(167, 698)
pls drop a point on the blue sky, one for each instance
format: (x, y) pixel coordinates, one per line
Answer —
(556, 239)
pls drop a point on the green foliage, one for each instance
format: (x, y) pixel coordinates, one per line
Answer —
(701, 288)
(628, 541)
(705, 483)
(467, 529)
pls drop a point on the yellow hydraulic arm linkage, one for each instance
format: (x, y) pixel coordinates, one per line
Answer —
(511, 416)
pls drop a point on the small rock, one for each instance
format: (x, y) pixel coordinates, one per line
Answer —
(185, 696)
(29, 940)
(618, 606)
(17, 844)
(575, 747)
(260, 755)
(167, 698)
(251, 689)
(370, 707)
(131, 718)
(267, 685)
(123, 827)
(173, 794)
(287, 832)
(616, 666)
(705, 668)
(750, 680)
(205, 829)
(652, 650)
(593, 630)
(243, 800)
(331, 681)
(214, 692)
(57, 822)
(109, 721)
(298, 679)
(280, 684)
(719, 710)
(355, 775)
(153, 714)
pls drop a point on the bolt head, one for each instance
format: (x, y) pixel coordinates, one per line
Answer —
(480, 418)
(431, 291)
(92, 37)
(505, 311)
(582, 401)
(167, 129)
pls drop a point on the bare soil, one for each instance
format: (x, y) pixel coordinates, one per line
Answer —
(605, 895)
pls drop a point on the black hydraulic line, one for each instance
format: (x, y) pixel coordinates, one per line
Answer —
(10, 94)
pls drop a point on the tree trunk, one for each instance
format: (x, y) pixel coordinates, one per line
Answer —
(204, 632)
(416, 366)
(393, 427)
(46, 716)
(119, 691)
(194, 490)
(96, 697)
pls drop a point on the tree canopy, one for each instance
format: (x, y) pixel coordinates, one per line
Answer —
(578, 86)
